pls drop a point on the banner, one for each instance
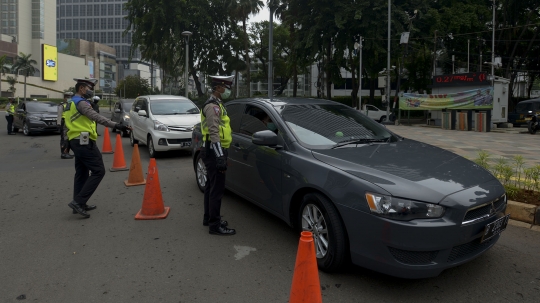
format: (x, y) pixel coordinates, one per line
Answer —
(472, 99)
(91, 68)
(50, 63)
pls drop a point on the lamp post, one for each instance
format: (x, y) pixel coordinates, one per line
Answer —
(359, 47)
(493, 48)
(388, 86)
(270, 63)
(186, 34)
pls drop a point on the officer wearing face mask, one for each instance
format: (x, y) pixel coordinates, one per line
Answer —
(79, 128)
(217, 138)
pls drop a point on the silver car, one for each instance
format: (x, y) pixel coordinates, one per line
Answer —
(394, 205)
(163, 122)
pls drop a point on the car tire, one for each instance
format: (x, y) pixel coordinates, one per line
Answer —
(382, 119)
(330, 230)
(132, 139)
(201, 173)
(26, 129)
(151, 149)
(531, 126)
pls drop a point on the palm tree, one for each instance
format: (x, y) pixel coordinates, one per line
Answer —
(3, 70)
(242, 10)
(26, 65)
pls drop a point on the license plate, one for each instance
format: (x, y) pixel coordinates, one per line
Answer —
(528, 119)
(494, 228)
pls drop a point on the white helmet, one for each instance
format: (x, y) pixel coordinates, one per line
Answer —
(96, 98)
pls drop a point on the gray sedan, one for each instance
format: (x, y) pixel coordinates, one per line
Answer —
(397, 206)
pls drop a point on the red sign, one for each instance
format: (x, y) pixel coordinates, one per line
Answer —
(460, 79)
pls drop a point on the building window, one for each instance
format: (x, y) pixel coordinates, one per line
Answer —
(117, 23)
(96, 24)
(68, 24)
(110, 10)
(62, 24)
(38, 19)
(110, 23)
(75, 24)
(104, 10)
(96, 9)
(90, 10)
(117, 37)
(82, 36)
(110, 37)
(68, 11)
(75, 11)
(62, 11)
(62, 36)
(82, 10)
(69, 35)
(75, 35)
(82, 24)
(103, 23)
(96, 37)
(103, 38)
(118, 9)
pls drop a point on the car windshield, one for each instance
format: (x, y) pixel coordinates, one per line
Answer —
(42, 107)
(173, 107)
(521, 107)
(127, 106)
(322, 126)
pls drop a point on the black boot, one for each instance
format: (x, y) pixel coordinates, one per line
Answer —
(222, 231)
(76, 207)
(66, 156)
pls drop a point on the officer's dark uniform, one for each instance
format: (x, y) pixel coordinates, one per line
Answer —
(217, 138)
(64, 142)
(80, 130)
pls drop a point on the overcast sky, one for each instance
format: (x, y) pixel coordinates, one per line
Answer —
(263, 15)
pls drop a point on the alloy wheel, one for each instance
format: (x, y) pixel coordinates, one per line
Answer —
(151, 150)
(313, 220)
(201, 173)
(26, 131)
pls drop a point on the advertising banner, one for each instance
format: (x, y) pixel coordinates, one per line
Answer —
(481, 98)
(91, 68)
(50, 62)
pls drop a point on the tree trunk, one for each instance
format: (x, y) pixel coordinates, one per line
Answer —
(25, 88)
(354, 92)
(328, 70)
(372, 83)
(197, 83)
(246, 49)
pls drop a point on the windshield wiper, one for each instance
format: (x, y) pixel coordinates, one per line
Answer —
(360, 141)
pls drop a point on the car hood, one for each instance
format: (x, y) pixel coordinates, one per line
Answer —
(408, 168)
(179, 120)
(45, 115)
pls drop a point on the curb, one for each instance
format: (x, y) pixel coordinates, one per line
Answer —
(524, 215)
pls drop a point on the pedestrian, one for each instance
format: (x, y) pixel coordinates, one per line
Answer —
(64, 142)
(95, 107)
(217, 138)
(10, 112)
(79, 127)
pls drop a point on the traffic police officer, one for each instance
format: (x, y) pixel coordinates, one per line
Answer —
(10, 112)
(64, 142)
(217, 138)
(79, 127)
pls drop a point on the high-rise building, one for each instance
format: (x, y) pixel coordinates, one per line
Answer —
(103, 21)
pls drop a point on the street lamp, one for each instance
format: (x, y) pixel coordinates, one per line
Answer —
(358, 46)
(388, 86)
(186, 34)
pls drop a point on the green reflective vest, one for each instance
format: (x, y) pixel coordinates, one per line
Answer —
(224, 128)
(11, 109)
(77, 123)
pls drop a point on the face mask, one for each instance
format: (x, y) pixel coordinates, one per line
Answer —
(226, 94)
(271, 126)
(89, 94)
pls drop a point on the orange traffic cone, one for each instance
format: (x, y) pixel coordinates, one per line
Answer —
(305, 285)
(107, 148)
(118, 162)
(135, 169)
(152, 207)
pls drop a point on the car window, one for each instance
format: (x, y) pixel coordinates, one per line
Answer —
(144, 105)
(372, 108)
(254, 119)
(126, 105)
(136, 104)
(536, 106)
(522, 107)
(235, 111)
(173, 107)
(117, 106)
(325, 125)
(42, 107)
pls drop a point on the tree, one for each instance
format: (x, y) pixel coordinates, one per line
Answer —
(25, 65)
(3, 70)
(12, 81)
(133, 86)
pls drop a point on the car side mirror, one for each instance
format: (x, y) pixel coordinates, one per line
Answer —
(117, 111)
(20, 110)
(142, 113)
(137, 109)
(265, 138)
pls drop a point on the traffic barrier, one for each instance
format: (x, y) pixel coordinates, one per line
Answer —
(107, 147)
(119, 163)
(135, 169)
(152, 207)
(305, 285)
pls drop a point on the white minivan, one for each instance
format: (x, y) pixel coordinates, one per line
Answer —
(163, 122)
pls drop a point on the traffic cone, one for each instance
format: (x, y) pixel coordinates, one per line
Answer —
(135, 169)
(119, 163)
(305, 285)
(107, 148)
(152, 207)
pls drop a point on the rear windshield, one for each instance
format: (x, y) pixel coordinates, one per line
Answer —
(42, 107)
(173, 107)
(523, 107)
(321, 126)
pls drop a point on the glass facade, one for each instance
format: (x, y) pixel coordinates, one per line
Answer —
(8, 17)
(38, 19)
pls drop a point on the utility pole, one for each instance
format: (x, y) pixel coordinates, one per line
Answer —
(435, 53)
(388, 85)
(468, 53)
(359, 47)
(493, 48)
(270, 63)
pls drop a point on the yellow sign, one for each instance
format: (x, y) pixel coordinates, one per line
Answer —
(50, 63)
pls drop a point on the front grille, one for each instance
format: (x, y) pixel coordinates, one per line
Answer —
(484, 211)
(464, 250)
(413, 257)
(181, 128)
(178, 141)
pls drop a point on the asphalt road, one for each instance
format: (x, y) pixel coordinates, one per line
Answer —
(48, 254)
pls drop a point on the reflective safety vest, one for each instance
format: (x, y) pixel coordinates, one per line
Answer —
(11, 109)
(224, 127)
(77, 122)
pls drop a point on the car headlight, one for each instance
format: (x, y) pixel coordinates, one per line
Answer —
(34, 118)
(402, 209)
(126, 117)
(160, 126)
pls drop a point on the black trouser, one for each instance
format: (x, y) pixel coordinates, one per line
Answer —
(87, 159)
(9, 123)
(64, 142)
(215, 186)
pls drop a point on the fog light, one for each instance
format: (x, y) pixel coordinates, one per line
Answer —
(162, 142)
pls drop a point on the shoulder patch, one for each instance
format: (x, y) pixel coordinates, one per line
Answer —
(217, 110)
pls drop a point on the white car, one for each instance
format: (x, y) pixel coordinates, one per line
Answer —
(163, 122)
(374, 113)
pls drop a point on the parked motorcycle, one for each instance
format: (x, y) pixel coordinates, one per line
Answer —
(532, 122)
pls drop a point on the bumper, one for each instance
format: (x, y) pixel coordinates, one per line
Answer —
(43, 126)
(414, 249)
(173, 140)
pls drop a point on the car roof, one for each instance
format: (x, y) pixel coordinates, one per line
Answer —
(127, 100)
(164, 97)
(279, 101)
(40, 102)
(530, 101)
